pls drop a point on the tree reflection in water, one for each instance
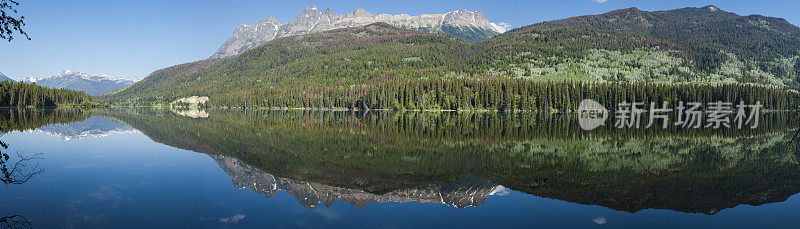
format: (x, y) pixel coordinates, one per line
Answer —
(21, 170)
(15, 221)
(383, 155)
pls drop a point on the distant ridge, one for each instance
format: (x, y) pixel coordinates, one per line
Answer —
(91, 84)
(4, 78)
(471, 26)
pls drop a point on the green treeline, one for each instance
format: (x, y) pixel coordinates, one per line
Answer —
(22, 94)
(503, 94)
(30, 119)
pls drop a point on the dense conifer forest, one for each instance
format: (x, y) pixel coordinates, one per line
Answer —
(504, 94)
(22, 94)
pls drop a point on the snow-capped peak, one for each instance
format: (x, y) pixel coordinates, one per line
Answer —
(311, 20)
(29, 79)
(92, 84)
(80, 75)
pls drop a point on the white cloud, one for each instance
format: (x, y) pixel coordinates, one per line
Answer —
(600, 1)
(600, 220)
(328, 214)
(232, 219)
(501, 26)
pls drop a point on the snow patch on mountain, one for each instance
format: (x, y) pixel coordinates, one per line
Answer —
(470, 25)
(91, 84)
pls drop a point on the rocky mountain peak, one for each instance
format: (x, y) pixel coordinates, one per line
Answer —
(272, 20)
(466, 18)
(310, 12)
(312, 8)
(361, 12)
(305, 22)
(711, 8)
(269, 24)
(471, 26)
(330, 11)
(463, 11)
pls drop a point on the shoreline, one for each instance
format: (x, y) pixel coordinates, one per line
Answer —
(367, 110)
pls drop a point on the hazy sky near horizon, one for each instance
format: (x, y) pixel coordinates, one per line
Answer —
(131, 39)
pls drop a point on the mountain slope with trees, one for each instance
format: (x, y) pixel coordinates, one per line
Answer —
(620, 54)
(343, 57)
(684, 45)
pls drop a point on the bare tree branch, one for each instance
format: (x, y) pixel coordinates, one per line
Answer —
(15, 221)
(23, 169)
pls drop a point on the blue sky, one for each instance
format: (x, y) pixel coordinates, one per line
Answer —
(133, 38)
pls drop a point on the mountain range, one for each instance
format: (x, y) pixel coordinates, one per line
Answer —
(91, 84)
(5, 78)
(471, 26)
(698, 45)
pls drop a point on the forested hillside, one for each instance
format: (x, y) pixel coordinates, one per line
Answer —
(684, 45)
(657, 56)
(351, 57)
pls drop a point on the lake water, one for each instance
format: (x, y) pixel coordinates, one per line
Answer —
(308, 169)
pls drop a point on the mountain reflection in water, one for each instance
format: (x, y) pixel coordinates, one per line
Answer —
(460, 159)
(467, 192)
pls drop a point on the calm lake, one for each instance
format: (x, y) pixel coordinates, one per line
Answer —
(134, 168)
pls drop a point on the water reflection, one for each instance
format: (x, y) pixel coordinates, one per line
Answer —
(18, 167)
(467, 192)
(459, 159)
(456, 159)
(93, 126)
(32, 119)
(67, 124)
(15, 221)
